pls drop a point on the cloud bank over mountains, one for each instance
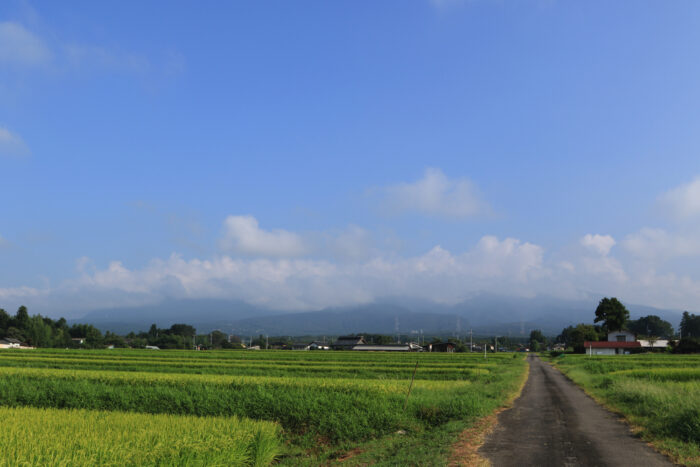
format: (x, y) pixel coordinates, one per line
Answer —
(286, 270)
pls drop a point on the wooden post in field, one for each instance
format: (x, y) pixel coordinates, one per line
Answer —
(410, 386)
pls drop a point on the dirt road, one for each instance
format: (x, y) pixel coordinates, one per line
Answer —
(554, 423)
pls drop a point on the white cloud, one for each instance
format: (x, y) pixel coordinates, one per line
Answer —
(353, 243)
(264, 267)
(19, 293)
(82, 55)
(294, 284)
(603, 269)
(437, 195)
(510, 256)
(20, 47)
(243, 235)
(503, 266)
(683, 202)
(652, 244)
(600, 244)
(11, 144)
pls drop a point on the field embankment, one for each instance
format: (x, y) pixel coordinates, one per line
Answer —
(658, 394)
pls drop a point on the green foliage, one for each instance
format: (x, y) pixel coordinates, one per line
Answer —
(687, 345)
(651, 325)
(537, 340)
(21, 317)
(4, 320)
(575, 336)
(690, 325)
(40, 331)
(612, 313)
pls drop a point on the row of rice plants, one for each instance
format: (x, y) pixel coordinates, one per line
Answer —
(660, 394)
(86, 437)
(244, 358)
(631, 362)
(277, 357)
(326, 369)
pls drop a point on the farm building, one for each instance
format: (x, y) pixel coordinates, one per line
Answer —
(410, 347)
(347, 342)
(319, 346)
(621, 336)
(654, 344)
(621, 342)
(610, 348)
(440, 347)
(9, 343)
(312, 346)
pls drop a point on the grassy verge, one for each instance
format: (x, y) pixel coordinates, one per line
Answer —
(658, 394)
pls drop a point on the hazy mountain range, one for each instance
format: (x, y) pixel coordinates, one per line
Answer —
(484, 314)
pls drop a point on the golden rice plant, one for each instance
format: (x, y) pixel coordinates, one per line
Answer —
(86, 437)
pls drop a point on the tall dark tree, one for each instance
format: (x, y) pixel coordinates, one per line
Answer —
(21, 317)
(612, 313)
(690, 325)
(651, 325)
(184, 330)
(537, 340)
(575, 336)
(4, 320)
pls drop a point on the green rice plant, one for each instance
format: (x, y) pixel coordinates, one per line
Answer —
(662, 374)
(326, 369)
(86, 438)
(336, 408)
(318, 399)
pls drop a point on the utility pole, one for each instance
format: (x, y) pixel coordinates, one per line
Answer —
(396, 328)
(471, 341)
(267, 342)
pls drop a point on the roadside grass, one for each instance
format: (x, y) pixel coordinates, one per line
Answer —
(658, 394)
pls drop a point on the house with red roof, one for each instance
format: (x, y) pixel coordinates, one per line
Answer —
(618, 343)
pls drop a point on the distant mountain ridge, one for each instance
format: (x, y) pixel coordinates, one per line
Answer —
(484, 314)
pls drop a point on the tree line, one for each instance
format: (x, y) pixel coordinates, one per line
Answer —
(614, 316)
(42, 331)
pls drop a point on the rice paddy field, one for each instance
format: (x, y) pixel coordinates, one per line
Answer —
(144, 407)
(659, 394)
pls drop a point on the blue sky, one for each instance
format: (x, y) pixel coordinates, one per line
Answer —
(306, 154)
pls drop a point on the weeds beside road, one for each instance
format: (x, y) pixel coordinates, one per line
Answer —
(659, 395)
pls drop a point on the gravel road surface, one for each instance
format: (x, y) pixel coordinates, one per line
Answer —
(554, 423)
